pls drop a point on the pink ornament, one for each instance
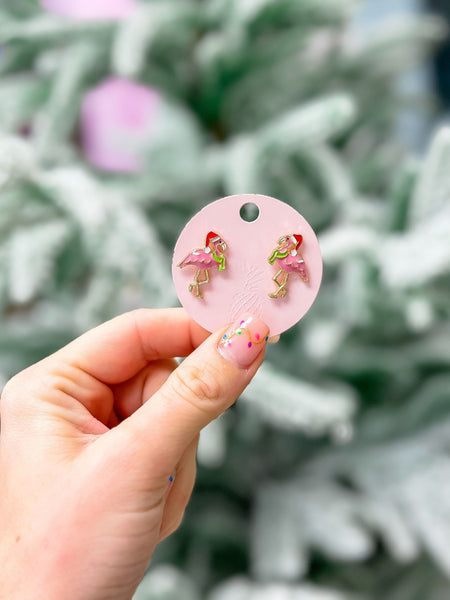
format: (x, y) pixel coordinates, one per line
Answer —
(247, 283)
(117, 118)
(90, 9)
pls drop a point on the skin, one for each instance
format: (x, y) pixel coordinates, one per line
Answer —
(89, 439)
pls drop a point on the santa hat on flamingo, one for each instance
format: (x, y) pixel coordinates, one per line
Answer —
(212, 237)
(296, 239)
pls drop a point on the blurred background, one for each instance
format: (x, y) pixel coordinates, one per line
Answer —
(119, 119)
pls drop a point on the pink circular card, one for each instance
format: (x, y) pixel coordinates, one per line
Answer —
(224, 266)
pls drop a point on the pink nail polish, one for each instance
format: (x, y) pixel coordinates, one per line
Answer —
(244, 341)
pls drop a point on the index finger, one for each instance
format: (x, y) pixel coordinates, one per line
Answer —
(120, 348)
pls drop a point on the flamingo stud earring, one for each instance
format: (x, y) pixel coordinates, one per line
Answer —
(289, 260)
(209, 257)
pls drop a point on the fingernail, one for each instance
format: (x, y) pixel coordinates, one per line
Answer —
(244, 341)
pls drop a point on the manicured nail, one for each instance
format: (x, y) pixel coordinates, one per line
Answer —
(244, 341)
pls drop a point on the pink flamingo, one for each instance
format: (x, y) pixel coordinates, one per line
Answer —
(288, 258)
(212, 255)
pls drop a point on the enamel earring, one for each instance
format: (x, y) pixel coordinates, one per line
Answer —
(210, 257)
(289, 259)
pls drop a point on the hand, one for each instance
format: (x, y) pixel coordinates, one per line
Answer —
(90, 438)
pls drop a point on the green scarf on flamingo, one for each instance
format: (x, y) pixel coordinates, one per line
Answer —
(220, 259)
(277, 254)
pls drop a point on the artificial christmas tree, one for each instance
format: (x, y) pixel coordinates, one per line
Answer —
(329, 479)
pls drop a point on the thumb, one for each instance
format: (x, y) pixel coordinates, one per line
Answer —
(208, 381)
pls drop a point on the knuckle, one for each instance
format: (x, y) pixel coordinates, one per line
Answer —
(19, 395)
(136, 316)
(195, 384)
(9, 393)
(16, 397)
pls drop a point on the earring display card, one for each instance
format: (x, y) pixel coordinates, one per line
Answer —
(224, 265)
